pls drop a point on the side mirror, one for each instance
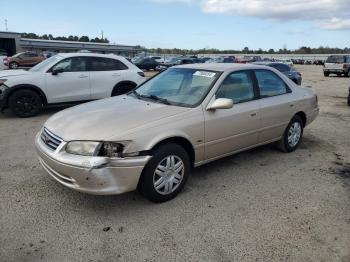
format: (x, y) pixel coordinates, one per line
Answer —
(221, 103)
(57, 71)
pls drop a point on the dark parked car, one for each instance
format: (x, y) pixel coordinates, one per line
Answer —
(291, 73)
(147, 63)
(175, 61)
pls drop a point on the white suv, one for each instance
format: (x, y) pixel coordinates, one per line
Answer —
(67, 78)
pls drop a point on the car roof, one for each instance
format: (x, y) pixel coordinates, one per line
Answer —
(89, 54)
(223, 67)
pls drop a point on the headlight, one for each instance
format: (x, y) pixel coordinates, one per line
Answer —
(83, 148)
(89, 148)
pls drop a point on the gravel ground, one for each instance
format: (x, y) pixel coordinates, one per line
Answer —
(261, 205)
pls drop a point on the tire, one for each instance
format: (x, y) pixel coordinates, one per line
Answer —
(292, 135)
(349, 99)
(156, 177)
(25, 103)
(339, 74)
(348, 74)
(326, 74)
(122, 89)
(13, 65)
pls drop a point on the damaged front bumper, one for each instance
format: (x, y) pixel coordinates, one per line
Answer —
(93, 175)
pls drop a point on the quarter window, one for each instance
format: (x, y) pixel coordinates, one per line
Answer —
(106, 64)
(73, 64)
(270, 84)
(238, 86)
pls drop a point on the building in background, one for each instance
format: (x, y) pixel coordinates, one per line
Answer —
(13, 43)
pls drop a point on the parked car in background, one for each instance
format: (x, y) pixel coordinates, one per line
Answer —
(4, 62)
(249, 59)
(221, 59)
(175, 61)
(25, 59)
(291, 73)
(337, 64)
(159, 59)
(319, 62)
(67, 78)
(146, 63)
(182, 118)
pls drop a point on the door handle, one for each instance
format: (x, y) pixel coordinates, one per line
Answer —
(291, 105)
(253, 114)
(83, 76)
(115, 74)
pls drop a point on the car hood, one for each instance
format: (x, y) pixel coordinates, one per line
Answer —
(17, 72)
(109, 119)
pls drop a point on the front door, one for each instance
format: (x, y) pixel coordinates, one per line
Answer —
(230, 130)
(71, 84)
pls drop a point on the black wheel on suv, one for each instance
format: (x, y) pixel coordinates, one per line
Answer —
(166, 173)
(349, 98)
(25, 103)
(13, 65)
(122, 89)
(326, 74)
(348, 73)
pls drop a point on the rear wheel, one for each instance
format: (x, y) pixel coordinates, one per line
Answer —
(13, 65)
(122, 89)
(166, 173)
(349, 99)
(326, 74)
(292, 135)
(348, 73)
(25, 103)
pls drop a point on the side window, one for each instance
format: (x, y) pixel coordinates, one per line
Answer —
(238, 86)
(348, 59)
(73, 64)
(270, 84)
(106, 64)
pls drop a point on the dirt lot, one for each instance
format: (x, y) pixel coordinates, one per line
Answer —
(260, 205)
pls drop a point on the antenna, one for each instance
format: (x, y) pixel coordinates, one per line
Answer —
(6, 25)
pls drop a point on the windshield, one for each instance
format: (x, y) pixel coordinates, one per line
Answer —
(42, 66)
(178, 86)
(335, 59)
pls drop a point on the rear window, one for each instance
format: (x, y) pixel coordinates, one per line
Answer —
(336, 59)
(106, 64)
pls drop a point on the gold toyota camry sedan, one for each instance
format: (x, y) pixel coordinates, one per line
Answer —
(187, 116)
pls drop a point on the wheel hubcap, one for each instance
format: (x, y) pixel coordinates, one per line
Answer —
(294, 134)
(168, 175)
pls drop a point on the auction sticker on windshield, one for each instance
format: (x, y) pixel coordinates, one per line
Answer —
(204, 73)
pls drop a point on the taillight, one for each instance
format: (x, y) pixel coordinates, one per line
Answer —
(141, 74)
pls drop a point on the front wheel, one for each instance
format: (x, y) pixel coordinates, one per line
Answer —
(25, 103)
(13, 65)
(292, 135)
(166, 173)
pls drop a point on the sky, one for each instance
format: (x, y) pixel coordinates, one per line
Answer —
(191, 24)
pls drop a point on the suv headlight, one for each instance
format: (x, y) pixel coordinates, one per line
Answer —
(91, 148)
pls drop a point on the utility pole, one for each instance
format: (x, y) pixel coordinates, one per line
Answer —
(6, 29)
(102, 34)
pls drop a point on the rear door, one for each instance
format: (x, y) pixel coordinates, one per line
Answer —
(73, 84)
(276, 105)
(105, 74)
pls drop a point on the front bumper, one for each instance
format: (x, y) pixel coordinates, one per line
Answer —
(92, 175)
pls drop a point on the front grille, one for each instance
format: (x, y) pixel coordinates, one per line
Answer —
(51, 140)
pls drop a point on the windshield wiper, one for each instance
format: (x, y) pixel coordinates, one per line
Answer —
(157, 98)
